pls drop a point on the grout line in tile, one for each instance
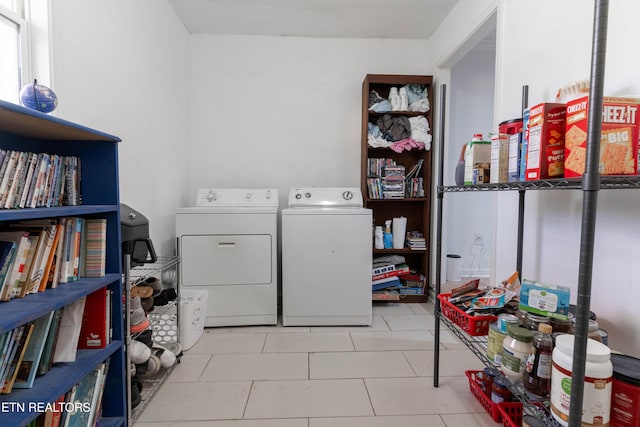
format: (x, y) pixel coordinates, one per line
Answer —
(264, 342)
(246, 402)
(409, 363)
(373, 409)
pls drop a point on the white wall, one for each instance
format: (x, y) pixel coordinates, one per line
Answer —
(122, 67)
(283, 112)
(545, 51)
(468, 216)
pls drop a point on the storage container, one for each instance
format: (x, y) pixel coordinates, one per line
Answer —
(192, 313)
(596, 400)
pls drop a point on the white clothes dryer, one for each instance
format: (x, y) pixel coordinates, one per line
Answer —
(227, 245)
(326, 258)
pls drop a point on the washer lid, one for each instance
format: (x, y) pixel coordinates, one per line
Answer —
(342, 197)
(236, 197)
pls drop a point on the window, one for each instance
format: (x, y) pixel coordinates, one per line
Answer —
(14, 60)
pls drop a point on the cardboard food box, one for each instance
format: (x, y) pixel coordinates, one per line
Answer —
(515, 147)
(618, 137)
(544, 299)
(499, 157)
(524, 144)
(478, 153)
(545, 151)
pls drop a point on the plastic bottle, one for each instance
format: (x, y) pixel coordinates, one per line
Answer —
(596, 400)
(388, 237)
(379, 242)
(537, 369)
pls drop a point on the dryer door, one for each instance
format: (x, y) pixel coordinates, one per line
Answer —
(225, 259)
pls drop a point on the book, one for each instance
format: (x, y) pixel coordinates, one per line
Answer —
(46, 360)
(400, 270)
(68, 397)
(386, 283)
(51, 255)
(41, 257)
(96, 405)
(94, 332)
(69, 333)
(76, 239)
(21, 291)
(18, 175)
(29, 366)
(7, 177)
(21, 239)
(383, 269)
(83, 397)
(54, 272)
(20, 349)
(7, 255)
(31, 167)
(51, 416)
(95, 247)
(6, 348)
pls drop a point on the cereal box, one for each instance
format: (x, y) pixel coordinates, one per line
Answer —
(545, 151)
(477, 155)
(618, 136)
(499, 157)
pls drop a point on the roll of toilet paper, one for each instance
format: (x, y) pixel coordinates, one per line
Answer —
(399, 229)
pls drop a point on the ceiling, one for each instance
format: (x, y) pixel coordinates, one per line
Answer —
(397, 19)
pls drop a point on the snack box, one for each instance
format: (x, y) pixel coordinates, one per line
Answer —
(545, 151)
(618, 137)
(544, 299)
(499, 157)
(524, 144)
(477, 154)
(515, 147)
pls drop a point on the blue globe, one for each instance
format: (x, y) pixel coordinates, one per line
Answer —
(38, 97)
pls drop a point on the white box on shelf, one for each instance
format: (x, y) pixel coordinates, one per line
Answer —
(192, 313)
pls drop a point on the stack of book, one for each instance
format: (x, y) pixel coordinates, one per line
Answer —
(416, 241)
(386, 277)
(412, 284)
(33, 180)
(375, 176)
(38, 255)
(393, 182)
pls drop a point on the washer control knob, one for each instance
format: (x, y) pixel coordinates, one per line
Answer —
(347, 195)
(211, 196)
(268, 195)
(307, 195)
(298, 196)
(248, 196)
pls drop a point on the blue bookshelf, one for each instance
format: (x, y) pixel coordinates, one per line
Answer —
(31, 131)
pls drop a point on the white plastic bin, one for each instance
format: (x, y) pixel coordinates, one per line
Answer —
(193, 310)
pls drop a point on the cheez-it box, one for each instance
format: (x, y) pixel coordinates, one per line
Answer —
(618, 136)
(545, 152)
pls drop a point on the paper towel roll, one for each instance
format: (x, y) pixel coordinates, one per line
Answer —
(399, 229)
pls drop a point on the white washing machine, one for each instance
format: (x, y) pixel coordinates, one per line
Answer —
(326, 258)
(228, 246)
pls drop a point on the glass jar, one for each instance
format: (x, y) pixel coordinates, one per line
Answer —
(515, 351)
(534, 320)
(500, 390)
(563, 326)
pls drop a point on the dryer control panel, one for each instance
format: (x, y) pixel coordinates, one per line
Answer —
(343, 197)
(226, 197)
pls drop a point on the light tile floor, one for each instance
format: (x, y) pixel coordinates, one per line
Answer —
(272, 376)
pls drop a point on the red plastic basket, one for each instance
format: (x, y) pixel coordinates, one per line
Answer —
(472, 325)
(511, 413)
(491, 408)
